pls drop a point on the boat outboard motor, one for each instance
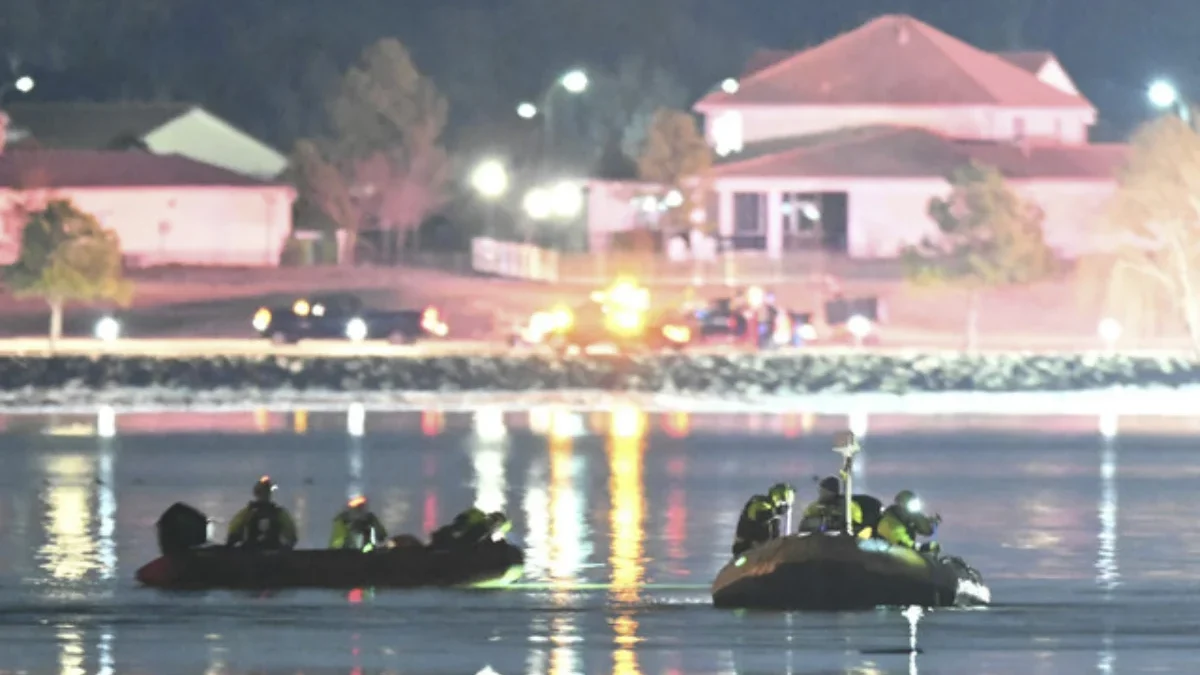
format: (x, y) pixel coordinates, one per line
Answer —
(182, 528)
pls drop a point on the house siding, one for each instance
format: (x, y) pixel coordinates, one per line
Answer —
(178, 225)
(961, 122)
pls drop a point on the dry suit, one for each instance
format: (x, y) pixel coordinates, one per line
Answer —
(758, 523)
(262, 525)
(358, 529)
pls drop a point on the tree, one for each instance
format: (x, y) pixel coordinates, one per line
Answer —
(988, 237)
(676, 157)
(1149, 257)
(328, 187)
(388, 121)
(66, 255)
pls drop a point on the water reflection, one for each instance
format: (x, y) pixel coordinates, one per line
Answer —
(488, 456)
(568, 546)
(71, 655)
(69, 553)
(1107, 572)
(626, 446)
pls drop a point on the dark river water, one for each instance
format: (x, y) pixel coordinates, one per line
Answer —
(1084, 527)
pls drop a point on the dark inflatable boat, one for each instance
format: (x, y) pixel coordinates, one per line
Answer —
(837, 572)
(190, 563)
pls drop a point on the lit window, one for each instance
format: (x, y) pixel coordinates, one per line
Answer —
(727, 133)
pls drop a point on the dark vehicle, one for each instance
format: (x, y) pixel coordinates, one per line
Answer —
(343, 317)
(723, 320)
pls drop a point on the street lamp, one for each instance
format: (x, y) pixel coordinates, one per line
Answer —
(23, 84)
(538, 203)
(527, 110)
(1164, 95)
(730, 85)
(490, 179)
(575, 81)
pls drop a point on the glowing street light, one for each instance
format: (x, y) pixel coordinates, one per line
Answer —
(527, 110)
(538, 203)
(567, 200)
(575, 81)
(490, 179)
(24, 84)
(1162, 94)
(562, 200)
(730, 85)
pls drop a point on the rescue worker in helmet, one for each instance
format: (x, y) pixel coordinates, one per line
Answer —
(828, 513)
(262, 524)
(357, 528)
(904, 521)
(760, 518)
(469, 528)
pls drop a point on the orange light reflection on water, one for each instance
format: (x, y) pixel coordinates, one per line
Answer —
(626, 456)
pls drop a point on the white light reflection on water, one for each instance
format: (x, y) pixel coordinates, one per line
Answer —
(355, 464)
(626, 451)
(107, 511)
(71, 655)
(69, 553)
(488, 455)
(106, 665)
(1107, 570)
(556, 551)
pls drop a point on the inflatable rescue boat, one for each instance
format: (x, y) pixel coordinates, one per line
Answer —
(837, 572)
(190, 562)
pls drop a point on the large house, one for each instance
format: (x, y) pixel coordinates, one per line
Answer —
(160, 128)
(166, 209)
(843, 145)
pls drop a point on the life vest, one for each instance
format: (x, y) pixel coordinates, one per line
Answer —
(264, 528)
(360, 530)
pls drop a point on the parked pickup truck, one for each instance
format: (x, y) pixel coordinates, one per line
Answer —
(344, 317)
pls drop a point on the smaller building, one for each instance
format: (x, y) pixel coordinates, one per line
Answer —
(166, 209)
(161, 128)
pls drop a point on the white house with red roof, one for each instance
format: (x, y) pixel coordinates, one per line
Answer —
(843, 145)
(166, 208)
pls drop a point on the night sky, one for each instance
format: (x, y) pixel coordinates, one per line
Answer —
(268, 64)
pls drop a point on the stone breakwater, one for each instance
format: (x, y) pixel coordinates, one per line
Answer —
(34, 381)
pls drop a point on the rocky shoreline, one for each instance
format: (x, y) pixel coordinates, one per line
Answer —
(34, 382)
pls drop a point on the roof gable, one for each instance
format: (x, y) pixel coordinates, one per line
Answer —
(33, 169)
(92, 126)
(894, 60)
(203, 136)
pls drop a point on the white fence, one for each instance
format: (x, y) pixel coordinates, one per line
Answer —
(513, 260)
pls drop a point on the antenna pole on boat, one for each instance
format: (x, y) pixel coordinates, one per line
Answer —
(846, 445)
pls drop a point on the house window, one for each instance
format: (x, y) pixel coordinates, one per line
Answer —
(727, 137)
(1018, 128)
(748, 213)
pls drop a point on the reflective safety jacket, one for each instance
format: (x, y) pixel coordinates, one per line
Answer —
(263, 525)
(360, 531)
(823, 516)
(902, 529)
(758, 523)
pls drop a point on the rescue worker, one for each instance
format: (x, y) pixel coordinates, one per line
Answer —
(357, 528)
(469, 528)
(262, 524)
(828, 513)
(904, 521)
(759, 521)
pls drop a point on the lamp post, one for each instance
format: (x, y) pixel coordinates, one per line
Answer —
(1164, 95)
(23, 84)
(574, 82)
(562, 202)
(490, 180)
